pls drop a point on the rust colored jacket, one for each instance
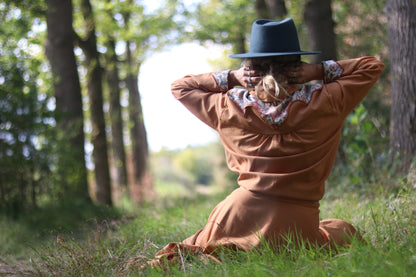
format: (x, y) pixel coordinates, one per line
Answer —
(286, 151)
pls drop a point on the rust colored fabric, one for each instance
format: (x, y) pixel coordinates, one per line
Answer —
(282, 167)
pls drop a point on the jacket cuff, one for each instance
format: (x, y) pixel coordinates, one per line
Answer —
(221, 77)
(332, 71)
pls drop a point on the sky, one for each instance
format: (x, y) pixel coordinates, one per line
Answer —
(168, 123)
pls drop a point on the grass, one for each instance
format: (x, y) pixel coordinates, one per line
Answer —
(100, 242)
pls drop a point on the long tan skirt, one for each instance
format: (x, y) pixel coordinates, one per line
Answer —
(244, 219)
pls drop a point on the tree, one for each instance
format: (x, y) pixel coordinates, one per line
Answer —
(320, 26)
(112, 64)
(216, 22)
(140, 149)
(117, 142)
(142, 34)
(26, 151)
(401, 27)
(70, 120)
(95, 93)
(271, 9)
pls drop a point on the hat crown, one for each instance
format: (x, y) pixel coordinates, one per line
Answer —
(273, 38)
(269, 36)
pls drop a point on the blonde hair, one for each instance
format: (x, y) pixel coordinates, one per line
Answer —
(274, 81)
(271, 89)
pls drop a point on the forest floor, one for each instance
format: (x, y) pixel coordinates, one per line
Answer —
(90, 241)
(18, 268)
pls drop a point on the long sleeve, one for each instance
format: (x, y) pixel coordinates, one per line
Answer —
(203, 95)
(349, 81)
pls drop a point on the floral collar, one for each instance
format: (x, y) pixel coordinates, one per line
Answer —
(271, 113)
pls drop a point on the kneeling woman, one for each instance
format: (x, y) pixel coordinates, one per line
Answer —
(280, 135)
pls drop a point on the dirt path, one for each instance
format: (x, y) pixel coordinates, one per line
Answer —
(21, 268)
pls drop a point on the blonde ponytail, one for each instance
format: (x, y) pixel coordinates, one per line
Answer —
(268, 89)
(274, 81)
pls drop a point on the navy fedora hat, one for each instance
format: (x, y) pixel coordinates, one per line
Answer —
(273, 38)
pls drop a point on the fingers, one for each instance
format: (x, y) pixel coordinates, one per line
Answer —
(292, 77)
(295, 73)
(251, 77)
(252, 81)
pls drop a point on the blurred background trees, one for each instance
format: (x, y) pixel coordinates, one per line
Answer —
(401, 27)
(69, 86)
(54, 106)
(59, 47)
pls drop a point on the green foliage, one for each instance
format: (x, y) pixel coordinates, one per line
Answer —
(193, 166)
(361, 31)
(20, 237)
(165, 171)
(30, 145)
(25, 115)
(363, 156)
(225, 23)
(217, 21)
(130, 21)
(198, 163)
(361, 28)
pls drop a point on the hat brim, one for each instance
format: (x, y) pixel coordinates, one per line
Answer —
(260, 55)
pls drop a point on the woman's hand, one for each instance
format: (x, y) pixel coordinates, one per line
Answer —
(299, 73)
(303, 72)
(245, 77)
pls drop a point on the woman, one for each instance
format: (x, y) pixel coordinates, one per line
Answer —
(279, 136)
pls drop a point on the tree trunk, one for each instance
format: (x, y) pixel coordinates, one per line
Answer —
(240, 44)
(117, 142)
(321, 35)
(137, 132)
(401, 27)
(261, 9)
(70, 120)
(271, 9)
(95, 93)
